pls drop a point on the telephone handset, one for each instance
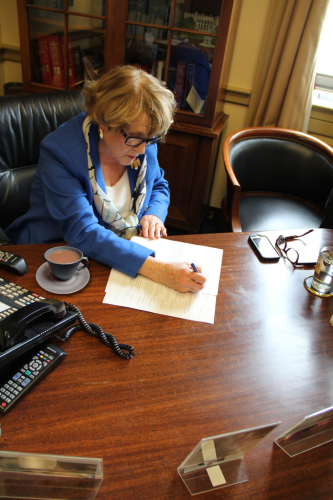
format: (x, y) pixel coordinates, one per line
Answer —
(31, 325)
(38, 321)
(13, 328)
(26, 328)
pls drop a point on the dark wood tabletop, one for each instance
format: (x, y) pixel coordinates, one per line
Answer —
(267, 358)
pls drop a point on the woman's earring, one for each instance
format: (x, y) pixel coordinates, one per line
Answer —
(101, 135)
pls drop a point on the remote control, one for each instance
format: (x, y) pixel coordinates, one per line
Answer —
(27, 370)
(12, 263)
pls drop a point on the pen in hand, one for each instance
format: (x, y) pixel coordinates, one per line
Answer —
(194, 268)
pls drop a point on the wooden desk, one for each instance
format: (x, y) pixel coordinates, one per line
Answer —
(268, 357)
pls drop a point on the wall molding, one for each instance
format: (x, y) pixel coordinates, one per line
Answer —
(10, 53)
(235, 95)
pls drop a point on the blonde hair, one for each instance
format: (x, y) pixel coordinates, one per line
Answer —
(121, 94)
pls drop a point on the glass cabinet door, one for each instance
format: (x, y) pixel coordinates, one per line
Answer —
(175, 41)
(67, 42)
(46, 31)
(86, 38)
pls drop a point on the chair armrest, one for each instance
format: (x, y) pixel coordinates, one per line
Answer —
(4, 239)
(232, 204)
(235, 210)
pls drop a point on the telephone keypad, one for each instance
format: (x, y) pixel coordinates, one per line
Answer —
(15, 296)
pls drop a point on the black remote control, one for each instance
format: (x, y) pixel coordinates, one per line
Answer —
(26, 372)
(12, 263)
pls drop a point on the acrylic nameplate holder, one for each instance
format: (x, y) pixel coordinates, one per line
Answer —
(312, 431)
(218, 461)
(49, 477)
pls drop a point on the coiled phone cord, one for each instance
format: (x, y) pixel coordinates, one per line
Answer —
(96, 331)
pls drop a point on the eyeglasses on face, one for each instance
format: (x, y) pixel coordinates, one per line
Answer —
(290, 253)
(137, 141)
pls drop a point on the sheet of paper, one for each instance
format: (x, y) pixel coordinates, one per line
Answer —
(194, 100)
(208, 258)
(144, 294)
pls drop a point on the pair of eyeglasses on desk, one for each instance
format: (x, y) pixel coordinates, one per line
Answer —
(290, 253)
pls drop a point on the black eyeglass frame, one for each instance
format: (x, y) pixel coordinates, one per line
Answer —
(149, 142)
(284, 240)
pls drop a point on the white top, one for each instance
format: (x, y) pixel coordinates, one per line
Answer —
(120, 195)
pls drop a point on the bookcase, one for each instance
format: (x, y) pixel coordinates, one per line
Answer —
(182, 42)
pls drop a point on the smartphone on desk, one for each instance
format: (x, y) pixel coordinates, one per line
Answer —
(263, 247)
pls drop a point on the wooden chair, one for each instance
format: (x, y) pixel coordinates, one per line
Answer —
(276, 179)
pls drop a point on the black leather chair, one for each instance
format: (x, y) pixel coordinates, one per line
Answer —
(276, 179)
(24, 121)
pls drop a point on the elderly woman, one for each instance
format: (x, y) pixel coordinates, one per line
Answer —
(98, 178)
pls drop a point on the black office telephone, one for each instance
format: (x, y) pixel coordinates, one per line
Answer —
(27, 319)
(32, 324)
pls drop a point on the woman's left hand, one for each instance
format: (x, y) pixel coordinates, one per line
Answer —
(152, 227)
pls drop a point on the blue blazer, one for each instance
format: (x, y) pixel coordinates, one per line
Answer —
(62, 205)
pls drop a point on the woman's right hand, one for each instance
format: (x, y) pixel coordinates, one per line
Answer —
(177, 275)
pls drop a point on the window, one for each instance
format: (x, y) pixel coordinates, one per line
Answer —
(323, 92)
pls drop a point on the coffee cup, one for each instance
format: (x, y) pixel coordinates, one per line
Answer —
(65, 261)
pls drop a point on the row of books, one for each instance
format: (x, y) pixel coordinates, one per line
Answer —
(180, 81)
(139, 31)
(81, 66)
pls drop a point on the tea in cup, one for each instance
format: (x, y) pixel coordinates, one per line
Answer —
(65, 261)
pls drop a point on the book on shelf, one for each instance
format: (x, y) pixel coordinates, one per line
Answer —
(179, 14)
(93, 65)
(167, 13)
(96, 57)
(180, 83)
(78, 64)
(141, 18)
(44, 58)
(171, 78)
(137, 5)
(157, 8)
(188, 84)
(57, 67)
(71, 69)
(89, 69)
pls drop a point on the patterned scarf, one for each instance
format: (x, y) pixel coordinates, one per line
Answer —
(125, 228)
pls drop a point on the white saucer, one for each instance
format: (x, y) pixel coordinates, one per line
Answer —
(46, 280)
